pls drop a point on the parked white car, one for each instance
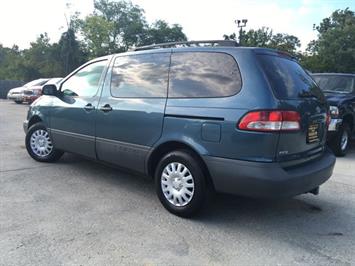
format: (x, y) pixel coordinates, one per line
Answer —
(16, 94)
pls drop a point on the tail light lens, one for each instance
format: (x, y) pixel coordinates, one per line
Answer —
(271, 121)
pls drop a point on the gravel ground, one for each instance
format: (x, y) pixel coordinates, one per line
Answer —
(79, 212)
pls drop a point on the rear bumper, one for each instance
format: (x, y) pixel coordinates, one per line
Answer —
(268, 180)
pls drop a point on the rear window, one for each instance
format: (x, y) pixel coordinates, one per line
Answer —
(203, 74)
(288, 79)
(335, 83)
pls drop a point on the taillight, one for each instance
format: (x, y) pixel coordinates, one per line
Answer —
(270, 121)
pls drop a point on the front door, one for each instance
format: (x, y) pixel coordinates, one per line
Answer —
(73, 113)
(131, 111)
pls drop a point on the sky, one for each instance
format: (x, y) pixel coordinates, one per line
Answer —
(21, 21)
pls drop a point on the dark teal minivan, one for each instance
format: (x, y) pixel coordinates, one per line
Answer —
(244, 121)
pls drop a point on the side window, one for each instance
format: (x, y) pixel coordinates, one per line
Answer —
(85, 82)
(140, 76)
(203, 74)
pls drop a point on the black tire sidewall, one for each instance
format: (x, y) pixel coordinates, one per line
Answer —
(194, 167)
(53, 156)
(336, 143)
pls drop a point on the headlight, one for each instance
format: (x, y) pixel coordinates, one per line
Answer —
(334, 111)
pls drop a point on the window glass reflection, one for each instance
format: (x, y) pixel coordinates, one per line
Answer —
(203, 74)
(85, 82)
(140, 76)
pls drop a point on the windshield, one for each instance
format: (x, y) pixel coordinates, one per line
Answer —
(288, 79)
(54, 81)
(37, 82)
(335, 83)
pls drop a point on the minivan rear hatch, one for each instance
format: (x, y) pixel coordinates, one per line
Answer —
(296, 91)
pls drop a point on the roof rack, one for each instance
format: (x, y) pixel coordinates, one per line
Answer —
(229, 43)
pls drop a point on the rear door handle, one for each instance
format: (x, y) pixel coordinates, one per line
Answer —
(89, 107)
(106, 108)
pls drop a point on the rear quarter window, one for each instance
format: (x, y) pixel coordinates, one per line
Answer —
(287, 78)
(203, 74)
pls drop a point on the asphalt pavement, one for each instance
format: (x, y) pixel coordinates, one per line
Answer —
(79, 212)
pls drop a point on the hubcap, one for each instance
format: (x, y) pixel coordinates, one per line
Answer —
(41, 144)
(344, 140)
(177, 184)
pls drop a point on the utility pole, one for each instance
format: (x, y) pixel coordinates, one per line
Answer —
(241, 24)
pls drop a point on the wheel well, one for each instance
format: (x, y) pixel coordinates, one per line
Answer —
(167, 147)
(34, 120)
(349, 120)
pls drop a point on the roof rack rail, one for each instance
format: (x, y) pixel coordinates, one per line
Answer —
(229, 43)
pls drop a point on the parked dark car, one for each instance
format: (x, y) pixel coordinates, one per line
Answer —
(31, 94)
(245, 121)
(339, 89)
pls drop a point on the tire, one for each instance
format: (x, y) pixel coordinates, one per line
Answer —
(39, 145)
(340, 143)
(18, 102)
(185, 191)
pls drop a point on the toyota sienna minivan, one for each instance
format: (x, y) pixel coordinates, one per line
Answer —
(237, 120)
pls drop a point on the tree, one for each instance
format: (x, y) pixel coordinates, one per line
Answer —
(127, 19)
(115, 26)
(71, 52)
(10, 60)
(334, 50)
(97, 33)
(41, 59)
(161, 32)
(264, 37)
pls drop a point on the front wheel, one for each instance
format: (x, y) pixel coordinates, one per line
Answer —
(340, 143)
(39, 144)
(180, 183)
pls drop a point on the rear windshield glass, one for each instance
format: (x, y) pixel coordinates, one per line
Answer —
(334, 83)
(288, 79)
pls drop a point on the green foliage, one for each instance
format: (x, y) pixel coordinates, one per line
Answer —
(71, 52)
(96, 31)
(10, 63)
(264, 37)
(334, 50)
(113, 27)
(161, 32)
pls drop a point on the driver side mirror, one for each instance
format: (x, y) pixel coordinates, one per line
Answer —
(49, 89)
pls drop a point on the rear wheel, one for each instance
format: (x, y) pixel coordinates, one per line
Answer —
(340, 143)
(39, 144)
(18, 102)
(180, 183)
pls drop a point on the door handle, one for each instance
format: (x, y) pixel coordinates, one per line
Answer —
(89, 107)
(106, 108)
